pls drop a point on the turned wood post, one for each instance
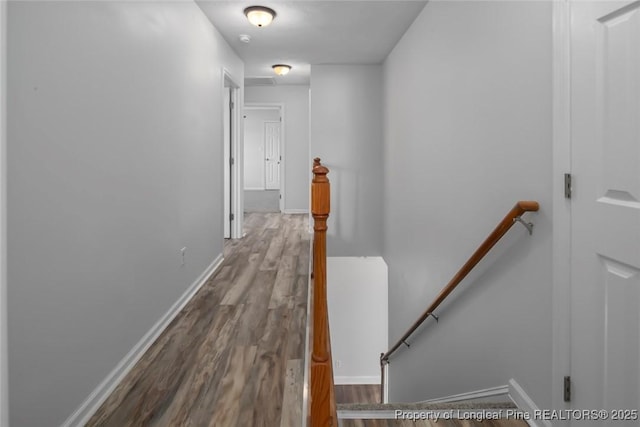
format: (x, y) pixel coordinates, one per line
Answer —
(323, 413)
(320, 211)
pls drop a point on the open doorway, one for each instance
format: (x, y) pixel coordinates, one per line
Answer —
(263, 158)
(233, 213)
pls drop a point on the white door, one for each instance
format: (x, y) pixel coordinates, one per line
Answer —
(272, 155)
(605, 144)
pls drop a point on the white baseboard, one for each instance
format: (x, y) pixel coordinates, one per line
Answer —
(106, 387)
(525, 403)
(502, 390)
(345, 380)
(296, 211)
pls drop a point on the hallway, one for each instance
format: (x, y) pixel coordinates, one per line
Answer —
(224, 359)
(433, 117)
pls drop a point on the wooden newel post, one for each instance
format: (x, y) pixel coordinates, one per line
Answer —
(322, 394)
(320, 194)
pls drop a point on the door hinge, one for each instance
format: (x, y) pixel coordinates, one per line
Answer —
(232, 217)
(567, 185)
(231, 104)
(231, 161)
(567, 389)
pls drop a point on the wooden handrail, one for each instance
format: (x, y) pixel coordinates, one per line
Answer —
(502, 228)
(323, 406)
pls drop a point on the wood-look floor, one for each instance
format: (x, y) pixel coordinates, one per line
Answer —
(428, 423)
(234, 355)
(358, 393)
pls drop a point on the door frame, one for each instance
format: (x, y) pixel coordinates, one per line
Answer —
(563, 233)
(236, 177)
(4, 380)
(273, 106)
(264, 143)
(561, 259)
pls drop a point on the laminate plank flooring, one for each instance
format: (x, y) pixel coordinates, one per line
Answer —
(428, 423)
(234, 355)
(358, 393)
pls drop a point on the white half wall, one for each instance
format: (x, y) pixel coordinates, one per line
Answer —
(297, 165)
(468, 114)
(358, 318)
(114, 164)
(254, 155)
(346, 133)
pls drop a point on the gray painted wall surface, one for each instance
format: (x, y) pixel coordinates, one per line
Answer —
(4, 401)
(114, 164)
(346, 132)
(467, 134)
(296, 132)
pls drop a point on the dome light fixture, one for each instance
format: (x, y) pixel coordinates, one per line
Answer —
(260, 16)
(281, 69)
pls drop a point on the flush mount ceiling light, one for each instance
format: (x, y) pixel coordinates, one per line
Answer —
(260, 16)
(281, 69)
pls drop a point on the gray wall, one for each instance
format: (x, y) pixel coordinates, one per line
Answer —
(346, 132)
(467, 133)
(4, 401)
(296, 133)
(114, 164)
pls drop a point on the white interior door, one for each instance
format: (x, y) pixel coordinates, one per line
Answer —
(272, 155)
(605, 143)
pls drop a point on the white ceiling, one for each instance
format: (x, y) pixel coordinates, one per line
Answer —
(307, 32)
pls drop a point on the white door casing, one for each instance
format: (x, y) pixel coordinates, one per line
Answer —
(605, 214)
(283, 143)
(272, 155)
(226, 116)
(233, 181)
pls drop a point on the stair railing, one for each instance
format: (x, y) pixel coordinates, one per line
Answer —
(323, 404)
(514, 215)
